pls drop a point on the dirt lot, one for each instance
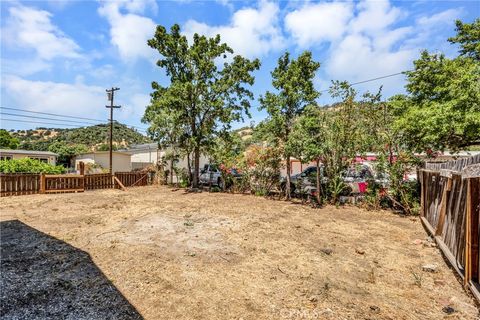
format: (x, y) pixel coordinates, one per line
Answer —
(157, 253)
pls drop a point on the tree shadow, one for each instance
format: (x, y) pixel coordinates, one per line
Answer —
(42, 277)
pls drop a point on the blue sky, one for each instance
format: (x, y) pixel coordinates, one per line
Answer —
(60, 56)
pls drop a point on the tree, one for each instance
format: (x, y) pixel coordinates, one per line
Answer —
(442, 108)
(67, 151)
(7, 141)
(293, 80)
(307, 139)
(204, 97)
(468, 37)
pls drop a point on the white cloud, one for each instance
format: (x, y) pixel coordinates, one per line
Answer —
(33, 29)
(252, 32)
(315, 23)
(55, 97)
(374, 17)
(444, 17)
(129, 32)
(372, 47)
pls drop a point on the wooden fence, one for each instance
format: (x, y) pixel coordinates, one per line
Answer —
(13, 184)
(131, 179)
(98, 181)
(450, 210)
(62, 183)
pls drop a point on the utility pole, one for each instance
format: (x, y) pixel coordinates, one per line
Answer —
(110, 95)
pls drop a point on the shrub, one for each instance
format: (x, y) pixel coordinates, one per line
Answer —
(28, 165)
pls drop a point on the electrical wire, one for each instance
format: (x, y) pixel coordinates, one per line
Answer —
(52, 114)
(373, 79)
(45, 118)
(41, 122)
(66, 116)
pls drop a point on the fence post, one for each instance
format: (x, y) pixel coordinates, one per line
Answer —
(82, 168)
(42, 183)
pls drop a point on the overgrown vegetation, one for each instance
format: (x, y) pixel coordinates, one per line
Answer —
(27, 165)
(441, 110)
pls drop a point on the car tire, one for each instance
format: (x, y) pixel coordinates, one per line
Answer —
(220, 183)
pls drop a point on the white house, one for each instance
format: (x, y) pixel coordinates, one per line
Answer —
(143, 155)
(44, 156)
(121, 161)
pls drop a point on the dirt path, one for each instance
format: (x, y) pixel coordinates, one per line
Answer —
(219, 256)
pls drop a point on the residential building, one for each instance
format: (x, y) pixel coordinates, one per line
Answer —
(44, 156)
(121, 161)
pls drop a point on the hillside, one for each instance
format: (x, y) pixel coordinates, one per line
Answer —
(94, 137)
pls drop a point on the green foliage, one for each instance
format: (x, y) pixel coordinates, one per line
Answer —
(293, 80)
(262, 167)
(442, 108)
(88, 136)
(7, 141)
(66, 151)
(202, 100)
(468, 37)
(28, 165)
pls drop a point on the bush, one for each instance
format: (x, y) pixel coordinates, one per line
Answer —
(28, 165)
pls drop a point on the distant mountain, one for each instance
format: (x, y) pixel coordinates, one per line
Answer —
(94, 137)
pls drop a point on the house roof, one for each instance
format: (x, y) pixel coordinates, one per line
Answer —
(141, 147)
(103, 152)
(27, 152)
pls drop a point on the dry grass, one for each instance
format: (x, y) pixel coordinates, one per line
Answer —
(221, 256)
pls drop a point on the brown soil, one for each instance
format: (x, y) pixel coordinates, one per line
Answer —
(174, 255)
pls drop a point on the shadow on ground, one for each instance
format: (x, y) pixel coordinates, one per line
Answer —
(45, 278)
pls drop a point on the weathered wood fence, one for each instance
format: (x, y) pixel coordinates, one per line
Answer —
(14, 184)
(98, 181)
(131, 179)
(450, 211)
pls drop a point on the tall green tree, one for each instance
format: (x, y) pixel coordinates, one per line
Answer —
(67, 151)
(308, 140)
(442, 108)
(468, 37)
(7, 141)
(207, 90)
(293, 81)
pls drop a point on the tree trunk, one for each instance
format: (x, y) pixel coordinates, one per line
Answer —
(171, 171)
(189, 168)
(196, 167)
(287, 186)
(319, 186)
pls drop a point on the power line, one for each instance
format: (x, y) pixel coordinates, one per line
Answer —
(52, 114)
(41, 122)
(45, 118)
(65, 116)
(61, 123)
(373, 79)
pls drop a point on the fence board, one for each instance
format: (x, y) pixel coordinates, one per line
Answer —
(131, 179)
(15, 184)
(450, 201)
(12, 184)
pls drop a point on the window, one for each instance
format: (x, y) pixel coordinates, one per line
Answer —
(5, 157)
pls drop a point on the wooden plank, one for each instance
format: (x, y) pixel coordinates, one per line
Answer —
(443, 210)
(119, 183)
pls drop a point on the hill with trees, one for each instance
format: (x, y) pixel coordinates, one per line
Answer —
(68, 142)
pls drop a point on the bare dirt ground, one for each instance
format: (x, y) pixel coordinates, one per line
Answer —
(173, 255)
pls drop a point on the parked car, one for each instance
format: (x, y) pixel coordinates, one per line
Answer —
(305, 181)
(212, 175)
